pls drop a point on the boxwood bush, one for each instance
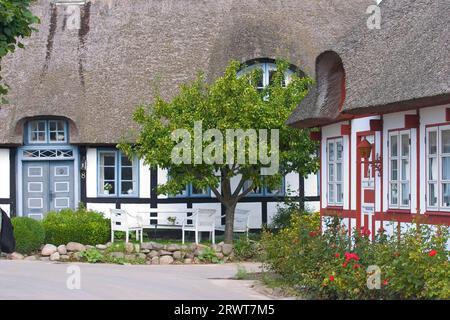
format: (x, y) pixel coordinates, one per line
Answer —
(29, 234)
(83, 226)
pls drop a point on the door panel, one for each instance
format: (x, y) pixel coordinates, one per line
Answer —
(35, 188)
(47, 186)
(61, 185)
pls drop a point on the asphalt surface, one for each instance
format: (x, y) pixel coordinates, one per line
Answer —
(60, 281)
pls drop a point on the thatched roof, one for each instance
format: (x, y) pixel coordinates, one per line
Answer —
(403, 65)
(96, 76)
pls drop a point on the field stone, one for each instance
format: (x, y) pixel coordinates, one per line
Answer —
(44, 258)
(155, 260)
(48, 250)
(101, 247)
(197, 260)
(173, 247)
(118, 255)
(166, 260)
(15, 256)
(141, 256)
(165, 253)
(137, 247)
(216, 248)
(62, 249)
(227, 249)
(177, 255)
(145, 251)
(75, 247)
(146, 246)
(31, 258)
(219, 255)
(187, 261)
(130, 257)
(157, 246)
(129, 247)
(153, 253)
(65, 257)
(89, 247)
(76, 256)
(55, 256)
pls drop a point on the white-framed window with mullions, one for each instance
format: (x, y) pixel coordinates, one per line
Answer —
(437, 143)
(399, 169)
(335, 171)
(268, 70)
(117, 174)
(47, 132)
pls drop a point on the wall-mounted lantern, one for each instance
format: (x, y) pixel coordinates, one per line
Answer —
(364, 149)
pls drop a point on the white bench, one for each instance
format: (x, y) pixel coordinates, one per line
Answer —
(188, 220)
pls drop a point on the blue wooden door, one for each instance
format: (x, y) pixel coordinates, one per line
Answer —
(47, 186)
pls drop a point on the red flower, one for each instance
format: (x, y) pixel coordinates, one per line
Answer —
(331, 278)
(344, 265)
(356, 266)
(351, 256)
(313, 233)
(432, 253)
(365, 231)
(381, 230)
(385, 282)
(336, 255)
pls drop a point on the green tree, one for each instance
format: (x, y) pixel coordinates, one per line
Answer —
(230, 102)
(15, 23)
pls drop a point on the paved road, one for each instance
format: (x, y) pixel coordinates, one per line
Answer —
(47, 280)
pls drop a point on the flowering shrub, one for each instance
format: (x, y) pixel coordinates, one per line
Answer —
(333, 265)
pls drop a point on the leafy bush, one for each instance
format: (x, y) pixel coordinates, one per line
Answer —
(86, 227)
(332, 265)
(29, 234)
(92, 256)
(246, 249)
(284, 214)
(209, 255)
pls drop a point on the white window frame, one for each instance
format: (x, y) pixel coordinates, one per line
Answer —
(439, 181)
(332, 180)
(401, 179)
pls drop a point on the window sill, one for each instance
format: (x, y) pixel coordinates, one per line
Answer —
(437, 213)
(334, 208)
(398, 211)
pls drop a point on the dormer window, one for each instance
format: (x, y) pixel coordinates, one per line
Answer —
(268, 70)
(47, 131)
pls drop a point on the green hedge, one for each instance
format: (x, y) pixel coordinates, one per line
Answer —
(29, 234)
(83, 226)
(331, 265)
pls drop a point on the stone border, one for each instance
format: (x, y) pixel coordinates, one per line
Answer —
(145, 253)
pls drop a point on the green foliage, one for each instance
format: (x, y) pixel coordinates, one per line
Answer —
(246, 249)
(29, 234)
(209, 255)
(92, 256)
(230, 102)
(241, 273)
(332, 265)
(15, 23)
(282, 218)
(83, 226)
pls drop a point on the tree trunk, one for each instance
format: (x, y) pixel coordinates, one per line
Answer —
(229, 222)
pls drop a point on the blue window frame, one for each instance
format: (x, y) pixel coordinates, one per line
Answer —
(266, 191)
(118, 176)
(191, 191)
(46, 132)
